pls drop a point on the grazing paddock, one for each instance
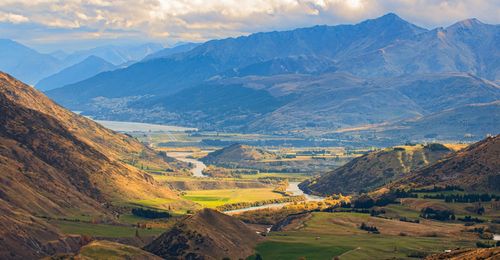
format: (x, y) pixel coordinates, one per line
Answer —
(326, 235)
(104, 230)
(214, 198)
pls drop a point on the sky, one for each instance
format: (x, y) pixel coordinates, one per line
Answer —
(50, 25)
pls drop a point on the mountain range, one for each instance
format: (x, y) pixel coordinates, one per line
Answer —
(380, 71)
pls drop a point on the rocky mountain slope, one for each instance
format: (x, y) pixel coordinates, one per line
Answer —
(475, 168)
(375, 169)
(208, 234)
(55, 163)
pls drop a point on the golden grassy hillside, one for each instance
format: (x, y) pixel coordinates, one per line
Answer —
(54, 163)
(208, 234)
(376, 169)
(474, 168)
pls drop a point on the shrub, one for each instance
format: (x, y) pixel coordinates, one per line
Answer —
(364, 201)
(481, 244)
(471, 219)
(443, 215)
(371, 229)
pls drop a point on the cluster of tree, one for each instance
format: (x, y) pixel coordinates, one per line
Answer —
(363, 201)
(371, 229)
(436, 147)
(149, 213)
(471, 219)
(438, 189)
(281, 188)
(376, 212)
(336, 209)
(405, 219)
(274, 215)
(443, 215)
(481, 244)
(366, 202)
(464, 198)
(401, 193)
(242, 205)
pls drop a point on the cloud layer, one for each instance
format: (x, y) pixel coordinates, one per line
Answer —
(55, 22)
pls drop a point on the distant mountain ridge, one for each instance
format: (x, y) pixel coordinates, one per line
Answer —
(87, 68)
(114, 54)
(24, 62)
(32, 66)
(185, 47)
(365, 64)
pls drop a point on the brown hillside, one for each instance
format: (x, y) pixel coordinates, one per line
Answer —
(237, 153)
(55, 163)
(469, 254)
(208, 234)
(475, 168)
(376, 169)
(102, 249)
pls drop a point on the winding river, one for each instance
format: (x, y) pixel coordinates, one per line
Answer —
(199, 166)
(293, 187)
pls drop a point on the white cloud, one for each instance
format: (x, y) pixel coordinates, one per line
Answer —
(13, 18)
(198, 20)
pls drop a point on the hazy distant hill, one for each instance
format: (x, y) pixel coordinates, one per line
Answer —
(114, 54)
(26, 63)
(375, 169)
(56, 163)
(31, 66)
(208, 234)
(471, 122)
(378, 71)
(171, 51)
(475, 168)
(89, 67)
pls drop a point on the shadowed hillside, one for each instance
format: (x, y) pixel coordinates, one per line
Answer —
(208, 234)
(375, 169)
(475, 168)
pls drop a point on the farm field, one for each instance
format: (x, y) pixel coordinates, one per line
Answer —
(214, 198)
(104, 230)
(326, 235)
